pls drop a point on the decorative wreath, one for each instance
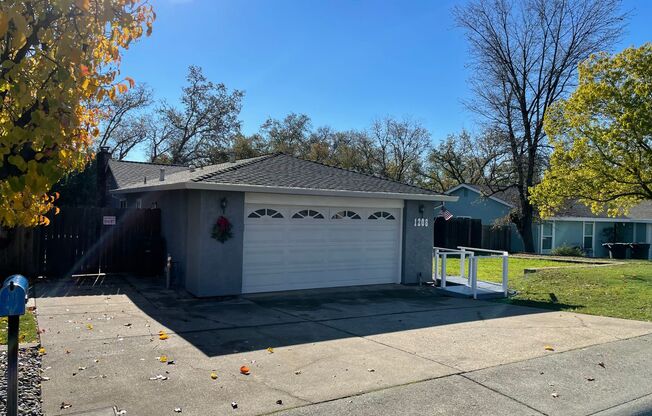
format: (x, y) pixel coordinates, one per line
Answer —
(222, 229)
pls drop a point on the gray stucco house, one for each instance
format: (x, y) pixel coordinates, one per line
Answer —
(575, 225)
(296, 224)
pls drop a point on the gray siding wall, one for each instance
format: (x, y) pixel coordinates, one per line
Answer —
(204, 266)
(569, 233)
(216, 267)
(417, 243)
(174, 222)
(473, 205)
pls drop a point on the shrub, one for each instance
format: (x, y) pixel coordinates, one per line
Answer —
(567, 251)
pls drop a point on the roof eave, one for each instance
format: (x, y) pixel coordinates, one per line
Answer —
(599, 219)
(282, 190)
(494, 198)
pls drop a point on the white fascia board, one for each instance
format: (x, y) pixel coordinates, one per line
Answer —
(282, 190)
(500, 201)
(602, 219)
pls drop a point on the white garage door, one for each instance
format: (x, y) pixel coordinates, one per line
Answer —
(301, 247)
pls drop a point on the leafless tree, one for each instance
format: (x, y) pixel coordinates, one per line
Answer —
(290, 135)
(463, 158)
(121, 129)
(207, 119)
(396, 148)
(525, 57)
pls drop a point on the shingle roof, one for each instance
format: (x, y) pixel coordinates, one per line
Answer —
(508, 196)
(127, 173)
(572, 209)
(642, 211)
(285, 171)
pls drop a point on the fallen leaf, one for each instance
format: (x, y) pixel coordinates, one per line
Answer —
(296, 373)
(163, 358)
(121, 412)
(177, 410)
(170, 362)
(234, 405)
(590, 379)
(21, 338)
(127, 325)
(548, 348)
(89, 327)
(67, 351)
(163, 337)
(244, 370)
(371, 370)
(65, 405)
(159, 377)
(213, 375)
(44, 378)
(555, 395)
(279, 401)
(601, 364)
(41, 351)
(270, 350)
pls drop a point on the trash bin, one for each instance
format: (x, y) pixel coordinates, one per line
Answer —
(640, 250)
(617, 250)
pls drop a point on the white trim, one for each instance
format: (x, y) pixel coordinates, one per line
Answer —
(552, 235)
(284, 190)
(598, 219)
(463, 185)
(649, 239)
(584, 235)
(324, 201)
(363, 212)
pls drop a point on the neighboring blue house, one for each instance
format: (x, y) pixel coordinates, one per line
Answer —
(575, 225)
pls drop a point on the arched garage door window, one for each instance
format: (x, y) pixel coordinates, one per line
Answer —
(308, 213)
(265, 212)
(381, 215)
(346, 215)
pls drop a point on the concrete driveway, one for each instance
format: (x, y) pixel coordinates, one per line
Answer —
(358, 351)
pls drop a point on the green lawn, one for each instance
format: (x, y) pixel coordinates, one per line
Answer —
(621, 291)
(27, 327)
(490, 268)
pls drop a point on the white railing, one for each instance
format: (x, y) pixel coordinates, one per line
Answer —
(441, 254)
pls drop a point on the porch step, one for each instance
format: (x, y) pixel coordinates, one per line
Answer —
(457, 287)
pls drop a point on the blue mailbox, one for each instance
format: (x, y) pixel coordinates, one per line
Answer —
(13, 295)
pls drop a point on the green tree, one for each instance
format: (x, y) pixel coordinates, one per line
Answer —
(525, 55)
(56, 58)
(602, 136)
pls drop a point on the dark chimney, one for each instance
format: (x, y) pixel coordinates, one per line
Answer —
(102, 160)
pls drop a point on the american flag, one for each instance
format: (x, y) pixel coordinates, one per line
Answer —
(445, 213)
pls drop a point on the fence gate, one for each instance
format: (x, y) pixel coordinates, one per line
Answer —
(110, 240)
(470, 232)
(87, 240)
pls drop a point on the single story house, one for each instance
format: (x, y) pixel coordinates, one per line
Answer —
(575, 225)
(296, 224)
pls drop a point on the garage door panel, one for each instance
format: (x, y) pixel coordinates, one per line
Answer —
(299, 253)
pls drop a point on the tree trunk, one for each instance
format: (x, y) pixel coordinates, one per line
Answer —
(524, 227)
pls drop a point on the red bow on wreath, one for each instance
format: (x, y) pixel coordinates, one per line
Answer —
(222, 229)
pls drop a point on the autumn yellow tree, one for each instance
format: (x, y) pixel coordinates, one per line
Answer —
(56, 58)
(602, 136)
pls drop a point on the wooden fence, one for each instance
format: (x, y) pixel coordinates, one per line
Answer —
(86, 240)
(470, 232)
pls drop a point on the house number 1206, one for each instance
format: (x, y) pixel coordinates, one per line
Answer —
(421, 222)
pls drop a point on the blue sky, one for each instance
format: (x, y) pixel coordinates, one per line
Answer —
(342, 62)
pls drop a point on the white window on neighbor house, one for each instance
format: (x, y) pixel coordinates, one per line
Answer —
(547, 236)
(123, 203)
(589, 237)
(139, 203)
